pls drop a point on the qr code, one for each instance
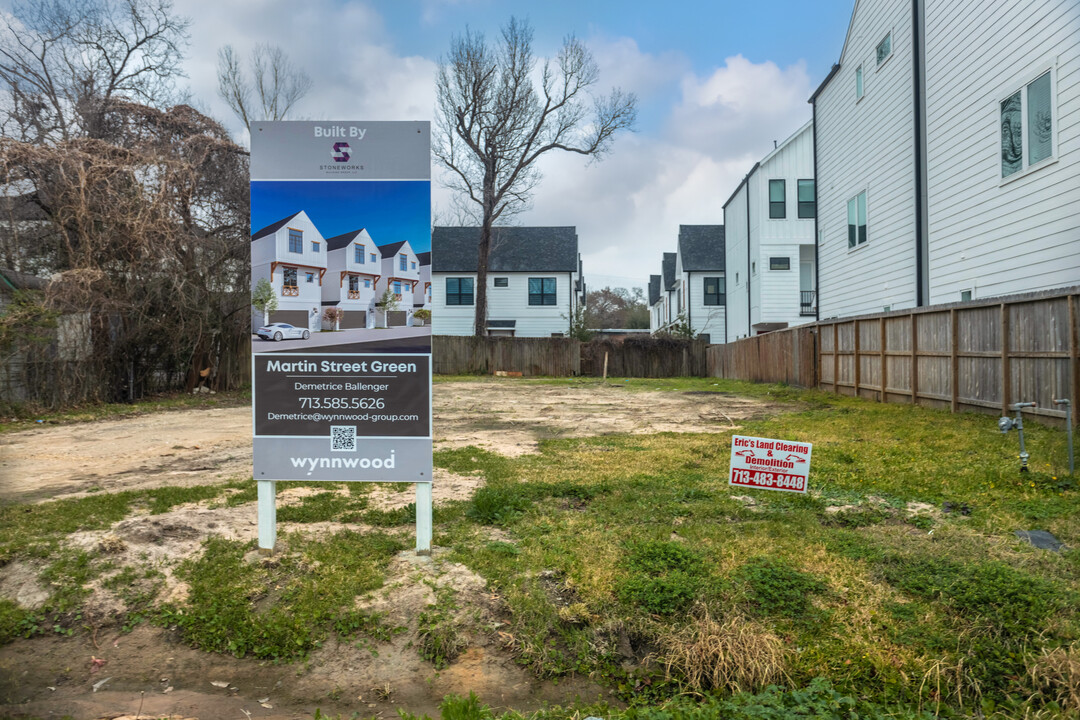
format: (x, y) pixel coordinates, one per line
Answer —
(343, 438)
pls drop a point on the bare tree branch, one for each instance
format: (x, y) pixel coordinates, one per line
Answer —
(274, 87)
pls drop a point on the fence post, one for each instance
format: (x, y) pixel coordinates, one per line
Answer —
(1074, 358)
(858, 373)
(954, 383)
(914, 358)
(1006, 365)
(836, 358)
(884, 371)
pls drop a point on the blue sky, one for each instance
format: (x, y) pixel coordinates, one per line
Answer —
(389, 211)
(717, 83)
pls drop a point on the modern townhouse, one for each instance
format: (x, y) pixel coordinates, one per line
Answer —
(947, 154)
(354, 269)
(670, 297)
(699, 266)
(291, 253)
(656, 305)
(534, 280)
(769, 222)
(401, 274)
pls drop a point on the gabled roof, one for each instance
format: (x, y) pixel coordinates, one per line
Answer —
(702, 248)
(513, 249)
(654, 289)
(424, 258)
(339, 241)
(391, 249)
(273, 228)
(668, 268)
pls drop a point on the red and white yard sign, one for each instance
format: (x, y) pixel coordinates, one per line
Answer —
(769, 464)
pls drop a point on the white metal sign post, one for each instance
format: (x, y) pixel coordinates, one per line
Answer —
(769, 464)
(339, 213)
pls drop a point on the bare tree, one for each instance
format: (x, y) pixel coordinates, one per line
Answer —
(275, 85)
(63, 65)
(493, 122)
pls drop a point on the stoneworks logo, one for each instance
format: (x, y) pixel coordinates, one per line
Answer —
(341, 152)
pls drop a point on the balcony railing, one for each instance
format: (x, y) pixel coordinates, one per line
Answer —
(354, 294)
(290, 290)
(807, 302)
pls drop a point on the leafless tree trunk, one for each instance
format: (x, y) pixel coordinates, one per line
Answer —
(493, 123)
(274, 87)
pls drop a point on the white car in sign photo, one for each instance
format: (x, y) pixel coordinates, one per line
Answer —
(282, 331)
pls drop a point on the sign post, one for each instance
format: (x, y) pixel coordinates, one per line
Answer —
(769, 464)
(339, 213)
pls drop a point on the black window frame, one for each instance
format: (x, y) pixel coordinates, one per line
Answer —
(295, 272)
(457, 296)
(780, 263)
(358, 254)
(296, 241)
(778, 208)
(807, 208)
(717, 298)
(545, 297)
(501, 282)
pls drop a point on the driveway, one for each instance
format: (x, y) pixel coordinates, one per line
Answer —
(358, 340)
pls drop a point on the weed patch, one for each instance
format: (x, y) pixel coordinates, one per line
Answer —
(774, 588)
(664, 577)
(438, 637)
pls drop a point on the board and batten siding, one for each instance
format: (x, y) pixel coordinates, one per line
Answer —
(868, 145)
(704, 319)
(777, 291)
(988, 235)
(508, 303)
(735, 249)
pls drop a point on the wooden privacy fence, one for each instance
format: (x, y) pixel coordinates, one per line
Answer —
(646, 357)
(470, 355)
(982, 355)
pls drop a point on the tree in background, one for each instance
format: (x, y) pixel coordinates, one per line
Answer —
(494, 121)
(612, 308)
(271, 90)
(264, 299)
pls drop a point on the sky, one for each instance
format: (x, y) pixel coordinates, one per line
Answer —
(717, 83)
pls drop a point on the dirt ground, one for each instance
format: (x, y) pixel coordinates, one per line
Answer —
(150, 673)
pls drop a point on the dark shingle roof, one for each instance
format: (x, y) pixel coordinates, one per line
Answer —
(668, 267)
(654, 289)
(391, 249)
(513, 249)
(424, 258)
(339, 241)
(273, 228)
(702, 248)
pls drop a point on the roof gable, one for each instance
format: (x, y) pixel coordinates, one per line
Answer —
(668, 268)
(654, 289)
(389, 251)
(513, 249)
(701, 248)
(274, 227)
(339, 241)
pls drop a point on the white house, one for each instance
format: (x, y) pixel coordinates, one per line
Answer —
(354, 268)
(769, 222)
(699, 267)
(425, 282)
(291, 253)
(670, 297)
(656, 304)
(948, 154)
(401, 274)
(533, 281)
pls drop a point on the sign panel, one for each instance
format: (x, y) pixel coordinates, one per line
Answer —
(340, 263)
(769, 464)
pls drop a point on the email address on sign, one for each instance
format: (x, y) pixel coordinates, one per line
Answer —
(320, 417)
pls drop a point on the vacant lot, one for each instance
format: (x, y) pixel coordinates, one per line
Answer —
(585, 552)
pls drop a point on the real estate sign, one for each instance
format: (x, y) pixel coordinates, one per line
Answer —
(341, 381)
(770, 464)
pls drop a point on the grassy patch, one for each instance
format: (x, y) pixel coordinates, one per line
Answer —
(438, 636)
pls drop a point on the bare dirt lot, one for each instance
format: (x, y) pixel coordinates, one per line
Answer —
(151, 669)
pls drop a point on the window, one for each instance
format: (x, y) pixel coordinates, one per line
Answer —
(856, 220)
(296, 241)
(777, 193)
(413, 266)
(367, 282)
(372, 257)
(315, 247)
(459, 291)
(965, 296)
(753, 268)
(858, 84)
(884, 48)
(779, 263)
(807, 199)
(354, 283)
(541, 291)
(310, 277)
(359, 255)
(403, 262)
(289, 277)
(714, 291)
(502, 282)
(1035, 103)
(397, 287)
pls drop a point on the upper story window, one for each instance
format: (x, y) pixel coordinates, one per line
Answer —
(779, 263)
(315, 247)
(354, 283)
(288, 277)
(541, 291)
(358, 254)
(777, 199)
(403, 262)
(807, 199)
(1033, 104)
(310, 277)
(459, 291)
(367, 282)
(397, 287)
(413, 265)
(502, 282)
(714, 291)
(884, 48)
(858, 84)
(373, 257)
(296, 241)
(856, 220)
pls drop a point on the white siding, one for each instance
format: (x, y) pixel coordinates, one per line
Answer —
(868, 145)
(986, 235)
(409, 277)
(508, 303)
(707, 319)
(735, 250)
